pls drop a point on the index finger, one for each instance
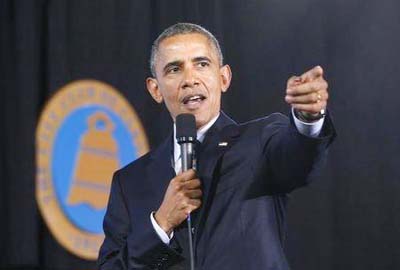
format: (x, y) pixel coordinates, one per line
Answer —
(312, 74)
(187, 175)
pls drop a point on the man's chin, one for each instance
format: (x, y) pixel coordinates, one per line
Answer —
(202, 117)
(202, 120)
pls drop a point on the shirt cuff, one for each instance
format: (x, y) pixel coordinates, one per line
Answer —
(160, 232)
(308, 129)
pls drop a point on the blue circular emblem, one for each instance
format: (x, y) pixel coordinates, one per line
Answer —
(85, 133)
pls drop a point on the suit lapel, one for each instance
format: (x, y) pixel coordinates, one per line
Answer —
(218, 140)
(160, 170)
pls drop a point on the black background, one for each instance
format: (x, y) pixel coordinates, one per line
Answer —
(349, 219)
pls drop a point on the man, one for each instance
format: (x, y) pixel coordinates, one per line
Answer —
(237, 196)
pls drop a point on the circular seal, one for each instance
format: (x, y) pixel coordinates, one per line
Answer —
(86, 131)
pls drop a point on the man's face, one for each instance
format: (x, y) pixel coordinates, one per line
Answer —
(189, 78)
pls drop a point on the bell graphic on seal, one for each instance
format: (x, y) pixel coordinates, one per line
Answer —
(96, 161)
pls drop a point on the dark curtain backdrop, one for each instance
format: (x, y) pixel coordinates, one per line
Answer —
(348, 220)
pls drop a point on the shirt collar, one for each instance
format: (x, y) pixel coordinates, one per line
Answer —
(201, 133)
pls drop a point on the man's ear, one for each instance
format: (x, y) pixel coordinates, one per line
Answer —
(226, 77)
(152, 87)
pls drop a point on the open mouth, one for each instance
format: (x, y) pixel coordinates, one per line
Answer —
(193, 99)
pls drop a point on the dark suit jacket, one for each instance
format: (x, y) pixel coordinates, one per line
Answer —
(241, 224)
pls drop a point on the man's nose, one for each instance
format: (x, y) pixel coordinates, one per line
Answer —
(190, 79)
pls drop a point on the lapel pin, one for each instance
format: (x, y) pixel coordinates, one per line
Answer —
(223, 144)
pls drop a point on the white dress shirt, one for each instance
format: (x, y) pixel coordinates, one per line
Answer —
(309, 129)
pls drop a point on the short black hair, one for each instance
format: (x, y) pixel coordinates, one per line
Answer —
(182, 29)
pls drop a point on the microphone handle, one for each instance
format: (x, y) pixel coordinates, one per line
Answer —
(187, 155)
(188, 162)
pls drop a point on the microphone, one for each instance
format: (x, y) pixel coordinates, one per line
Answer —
(186, 136)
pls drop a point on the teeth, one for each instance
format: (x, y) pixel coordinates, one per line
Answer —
(194, 98)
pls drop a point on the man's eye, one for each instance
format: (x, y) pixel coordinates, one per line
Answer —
(173, 70)
(204, 64)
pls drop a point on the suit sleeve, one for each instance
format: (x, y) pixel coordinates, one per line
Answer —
(291, 157)
(131, 246)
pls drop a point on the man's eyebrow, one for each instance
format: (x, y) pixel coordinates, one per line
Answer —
(176, 63)
(201, 58)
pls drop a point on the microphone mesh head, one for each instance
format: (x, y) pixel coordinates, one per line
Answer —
(185, 126)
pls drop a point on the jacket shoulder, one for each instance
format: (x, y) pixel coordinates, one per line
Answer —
(135, 167)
